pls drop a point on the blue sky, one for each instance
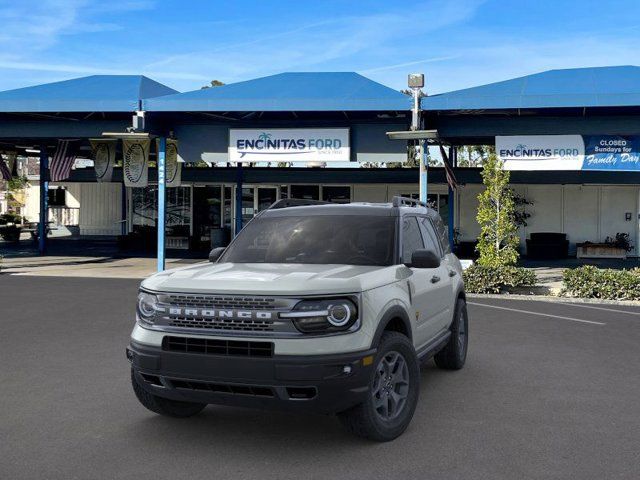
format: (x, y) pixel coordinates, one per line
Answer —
(456, 43)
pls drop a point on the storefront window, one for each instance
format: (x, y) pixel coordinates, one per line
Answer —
(207, 213)
(144, 204)
(306, 192)
(336, 194)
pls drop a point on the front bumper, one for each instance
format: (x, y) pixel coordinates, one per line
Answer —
(319, 383)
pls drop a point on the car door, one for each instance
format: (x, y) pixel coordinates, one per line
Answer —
(423, 284)
(443, 311)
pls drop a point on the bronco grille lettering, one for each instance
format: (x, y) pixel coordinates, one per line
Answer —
(213, 313)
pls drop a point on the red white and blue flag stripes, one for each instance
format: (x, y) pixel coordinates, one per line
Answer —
(63, 159)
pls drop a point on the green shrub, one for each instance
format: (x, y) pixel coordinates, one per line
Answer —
(605, 283)
(481, 279)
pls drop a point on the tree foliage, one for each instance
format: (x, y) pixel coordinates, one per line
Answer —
(498, 241)
(474, 155)
(214, 83)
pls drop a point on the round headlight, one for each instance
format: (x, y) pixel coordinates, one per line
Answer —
(146, 305)
(339, 314)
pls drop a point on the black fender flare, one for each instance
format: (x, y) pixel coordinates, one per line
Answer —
(395, 311)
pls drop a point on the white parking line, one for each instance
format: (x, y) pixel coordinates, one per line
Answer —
(537, 313)
(599, 308)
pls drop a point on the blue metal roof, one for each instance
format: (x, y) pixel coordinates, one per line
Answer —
(308, 91)
(575, 87)
(96, 93)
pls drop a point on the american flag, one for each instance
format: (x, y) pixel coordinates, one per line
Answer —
(5, 172)
(451, 177)
(62, 160)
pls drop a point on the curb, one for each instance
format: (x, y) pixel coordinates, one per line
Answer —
(552, 299)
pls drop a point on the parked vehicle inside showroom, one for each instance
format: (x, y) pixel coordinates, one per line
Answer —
(313, 307)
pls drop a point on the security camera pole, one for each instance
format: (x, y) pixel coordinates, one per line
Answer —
(416, 83)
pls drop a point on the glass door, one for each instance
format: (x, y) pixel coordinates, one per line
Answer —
(266, 197)
(255, 199)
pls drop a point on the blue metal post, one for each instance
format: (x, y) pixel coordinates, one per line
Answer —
(453, 153)
(424, 155)
(44, 200)
(162, 197)
(238, 226)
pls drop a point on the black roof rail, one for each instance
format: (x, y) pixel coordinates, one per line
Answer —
(405, 201)
(296, 202)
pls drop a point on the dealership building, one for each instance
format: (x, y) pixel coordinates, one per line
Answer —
(570, 137)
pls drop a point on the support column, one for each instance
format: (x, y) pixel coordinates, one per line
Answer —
(123, 211)
(238, 225)
(162, 200)
(424, 164)
(453, 157)
(44, 200)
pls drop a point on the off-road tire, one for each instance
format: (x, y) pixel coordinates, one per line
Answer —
(164, 406)
(454, 354)
(363, 420)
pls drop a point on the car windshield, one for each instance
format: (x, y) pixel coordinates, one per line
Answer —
(320, 239)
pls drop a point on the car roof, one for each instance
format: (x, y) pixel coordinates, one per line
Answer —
(354, 208)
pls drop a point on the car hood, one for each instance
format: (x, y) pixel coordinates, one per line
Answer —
(272, 279)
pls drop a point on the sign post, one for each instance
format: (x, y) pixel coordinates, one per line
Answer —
(416, 82)
(162, 147)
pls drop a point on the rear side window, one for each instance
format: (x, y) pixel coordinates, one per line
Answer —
(430, 238)
(411, 238)
(442, 232)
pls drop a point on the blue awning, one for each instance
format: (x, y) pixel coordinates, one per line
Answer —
(308, 91)
(96, 93)
(571, 88)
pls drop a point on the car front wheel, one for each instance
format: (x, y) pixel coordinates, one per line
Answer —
(393, 392)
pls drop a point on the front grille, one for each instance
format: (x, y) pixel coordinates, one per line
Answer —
(251, 390)
(217, 301)
(221, 324)
(208, 346)
(217, 314)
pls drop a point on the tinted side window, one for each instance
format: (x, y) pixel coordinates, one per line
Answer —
(443, 233)
(430, 238)
(411, 238)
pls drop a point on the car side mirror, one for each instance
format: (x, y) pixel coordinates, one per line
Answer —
(424, 259)
(216, 253)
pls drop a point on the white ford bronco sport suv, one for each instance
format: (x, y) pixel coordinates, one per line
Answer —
(313, 307)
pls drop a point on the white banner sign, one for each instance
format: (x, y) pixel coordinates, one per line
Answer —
(104, 156)
(172, 167)
(541, 152)
(135, 155)
(289, 145)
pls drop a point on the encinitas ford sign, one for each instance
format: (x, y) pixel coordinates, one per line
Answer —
(570, 152)
(289, 145)
(541, 152)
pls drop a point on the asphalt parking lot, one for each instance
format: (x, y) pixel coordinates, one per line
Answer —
(549, 391)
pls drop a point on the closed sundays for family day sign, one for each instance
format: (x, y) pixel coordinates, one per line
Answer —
(289, 145)
(570, 152)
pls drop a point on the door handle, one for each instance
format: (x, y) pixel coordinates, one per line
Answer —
(452, 273)
(435, 279)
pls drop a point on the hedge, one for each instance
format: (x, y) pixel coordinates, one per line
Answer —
(605, 283)
(479, 279)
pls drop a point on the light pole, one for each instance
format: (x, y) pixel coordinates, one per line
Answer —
(416, 83)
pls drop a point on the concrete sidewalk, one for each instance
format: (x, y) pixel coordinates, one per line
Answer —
(92, 267)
